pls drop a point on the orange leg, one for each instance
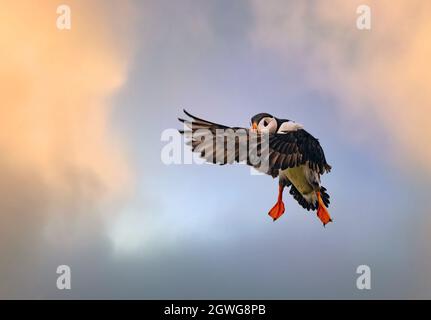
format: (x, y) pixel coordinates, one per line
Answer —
(322, 212)
(278, 209)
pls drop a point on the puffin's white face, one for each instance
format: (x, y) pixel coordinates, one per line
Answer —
(267, 124)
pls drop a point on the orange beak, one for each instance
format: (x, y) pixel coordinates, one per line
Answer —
(254, 126)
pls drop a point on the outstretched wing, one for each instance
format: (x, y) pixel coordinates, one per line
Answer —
(211, 141)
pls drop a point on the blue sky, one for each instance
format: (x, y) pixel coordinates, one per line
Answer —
(222, 210)
(202, 231)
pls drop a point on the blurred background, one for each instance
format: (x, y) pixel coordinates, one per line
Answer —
(82, 183)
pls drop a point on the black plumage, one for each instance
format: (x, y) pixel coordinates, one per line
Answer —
(301, 148)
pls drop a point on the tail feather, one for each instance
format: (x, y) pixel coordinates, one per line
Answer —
(325, 196)
(305, 203)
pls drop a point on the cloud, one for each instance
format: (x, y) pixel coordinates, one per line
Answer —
(379, 77)
(62, 166)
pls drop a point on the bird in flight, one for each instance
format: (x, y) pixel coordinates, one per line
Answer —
(292, 154)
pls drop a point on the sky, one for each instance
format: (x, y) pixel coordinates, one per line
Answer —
(82, 182)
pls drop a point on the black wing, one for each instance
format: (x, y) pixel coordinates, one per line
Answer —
(295, 148)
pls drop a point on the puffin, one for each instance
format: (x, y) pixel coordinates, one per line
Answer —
(293, 155)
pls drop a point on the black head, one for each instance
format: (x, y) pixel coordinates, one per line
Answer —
(256, 119)
(265, 121)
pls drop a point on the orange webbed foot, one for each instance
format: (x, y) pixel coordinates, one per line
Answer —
(277, 210)
(322, 212)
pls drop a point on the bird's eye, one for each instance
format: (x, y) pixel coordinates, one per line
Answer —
(265, 122)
